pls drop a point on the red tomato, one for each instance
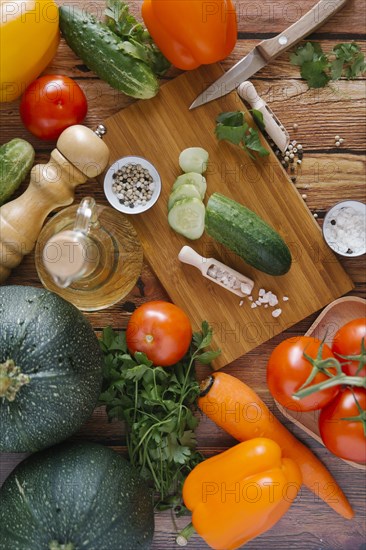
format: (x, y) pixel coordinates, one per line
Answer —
(52, 103)
(344, 438)
(161, 330)
(287, 370)
(347, 341)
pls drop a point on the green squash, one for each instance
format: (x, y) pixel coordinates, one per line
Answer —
(76, 496)
(50, 369)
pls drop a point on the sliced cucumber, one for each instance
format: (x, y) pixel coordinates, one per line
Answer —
(192, 178)
(194, 159)
(185, 191)
(187, 217)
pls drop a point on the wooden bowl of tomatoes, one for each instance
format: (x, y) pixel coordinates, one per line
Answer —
(341, 326)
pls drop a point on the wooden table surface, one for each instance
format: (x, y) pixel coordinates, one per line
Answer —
(329, 174)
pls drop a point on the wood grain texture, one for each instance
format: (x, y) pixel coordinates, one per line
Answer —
(320, 114)
(315, 278)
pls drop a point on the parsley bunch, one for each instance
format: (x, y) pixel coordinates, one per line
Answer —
(157, 405)
(233, 127)
(318, 68)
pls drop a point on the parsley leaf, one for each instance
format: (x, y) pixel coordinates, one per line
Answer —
(232, 127)
(352, 59)
(313, 72)
(304, 53)
(336, 69)
(313, 63)
(234, 134)
(318, 68)
(157, 405)
(253, 143)
(259, 119)
(208, 356)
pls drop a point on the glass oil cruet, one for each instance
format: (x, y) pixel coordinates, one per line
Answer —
(90, 255)
(79, 155)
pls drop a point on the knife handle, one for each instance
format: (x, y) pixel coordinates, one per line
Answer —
(308, 23)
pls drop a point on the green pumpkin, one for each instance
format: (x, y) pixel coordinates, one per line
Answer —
(76, 496)
(50, 369)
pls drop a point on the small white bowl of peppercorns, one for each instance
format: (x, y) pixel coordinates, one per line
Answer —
(132, 185)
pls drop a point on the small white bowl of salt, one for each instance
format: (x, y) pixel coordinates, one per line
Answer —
(344, 228)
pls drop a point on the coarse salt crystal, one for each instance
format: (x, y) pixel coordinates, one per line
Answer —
(241, 303)
(276, 312)
(261, 292)
(245, 288)
(273, 301)
(250, 298)
(285, 298)
(253, 305)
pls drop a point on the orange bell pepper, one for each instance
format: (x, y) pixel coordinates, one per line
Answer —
(240, 493)
(191, 33)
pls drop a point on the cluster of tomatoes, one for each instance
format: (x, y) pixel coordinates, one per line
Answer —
(337, 376)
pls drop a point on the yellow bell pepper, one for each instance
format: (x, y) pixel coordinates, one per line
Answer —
(240, 493)
(29, 37)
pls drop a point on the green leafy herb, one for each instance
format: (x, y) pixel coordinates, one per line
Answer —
(137, 41)
(233, 127)
(313, 63)
(259, 119)
(157, 405)
(352, 59)
(318, 68)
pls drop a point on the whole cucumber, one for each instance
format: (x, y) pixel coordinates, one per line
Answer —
(101, 50)
(245, 233)
(16, 160)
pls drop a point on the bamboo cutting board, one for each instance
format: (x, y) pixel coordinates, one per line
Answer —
(159, 129)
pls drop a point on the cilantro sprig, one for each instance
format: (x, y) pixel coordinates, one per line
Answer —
(318, 68)
(232, 126)
(157, 405)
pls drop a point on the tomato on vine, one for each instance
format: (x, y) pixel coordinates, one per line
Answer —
(350, 341)
(289, 369)
(342, 425)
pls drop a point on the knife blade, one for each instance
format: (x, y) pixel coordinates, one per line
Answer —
(267, 50)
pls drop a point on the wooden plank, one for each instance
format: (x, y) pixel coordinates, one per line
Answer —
(317, 123)
(262, 186)
(264, 17)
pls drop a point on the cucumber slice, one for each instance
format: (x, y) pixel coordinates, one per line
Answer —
(187, 217)
(194, 159)
(185, 191)
(192, 178)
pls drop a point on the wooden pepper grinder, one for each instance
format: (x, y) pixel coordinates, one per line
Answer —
(80, 154)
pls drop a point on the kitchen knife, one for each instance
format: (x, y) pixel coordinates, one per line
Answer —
(267, 50)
